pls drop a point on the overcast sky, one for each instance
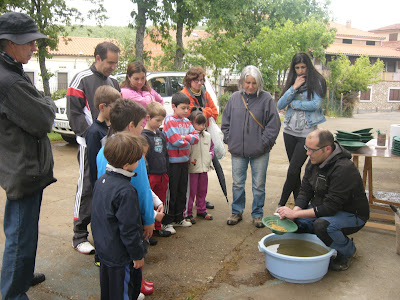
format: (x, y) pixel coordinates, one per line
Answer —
(363, 14)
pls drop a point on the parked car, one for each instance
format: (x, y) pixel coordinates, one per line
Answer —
(164, 83)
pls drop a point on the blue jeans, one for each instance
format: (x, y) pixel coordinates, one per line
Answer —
(333, 230)
(21, 218)
(259, 167)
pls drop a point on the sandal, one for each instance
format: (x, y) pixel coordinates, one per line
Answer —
(205, 216)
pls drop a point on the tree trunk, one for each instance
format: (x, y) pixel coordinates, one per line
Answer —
(179, 36)
(140, 30)
(45, 75)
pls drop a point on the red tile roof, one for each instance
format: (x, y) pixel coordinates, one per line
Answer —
(344, 31)
(371, 51)
(387, 28)
(83, 46)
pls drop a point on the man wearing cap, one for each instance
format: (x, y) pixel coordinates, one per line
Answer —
(332, 201)
(82, 113)
(26, 159)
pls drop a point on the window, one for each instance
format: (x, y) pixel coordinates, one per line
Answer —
(390, 66)
(366, 96)
(159, 84)
(62, 81)
(370, 43)
(347, 41)
(176, 83)
(31, 76)
(394, 94)
(393, 37)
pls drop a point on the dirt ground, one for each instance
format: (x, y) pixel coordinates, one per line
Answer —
(211, 260)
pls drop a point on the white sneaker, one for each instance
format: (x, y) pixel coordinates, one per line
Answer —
(183, 223)
(169, 228)
(141, 296)
(85, 248)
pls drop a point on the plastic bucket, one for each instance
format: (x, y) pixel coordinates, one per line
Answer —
(292, 268)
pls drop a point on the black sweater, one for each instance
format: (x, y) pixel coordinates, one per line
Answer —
(157, 156)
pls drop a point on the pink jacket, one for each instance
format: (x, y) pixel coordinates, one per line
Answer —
(141, 97)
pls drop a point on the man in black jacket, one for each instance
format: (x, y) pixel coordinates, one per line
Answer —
(26, 159)
(332, 201)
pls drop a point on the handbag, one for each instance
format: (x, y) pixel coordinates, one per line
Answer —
(251, 114)
(217, 138)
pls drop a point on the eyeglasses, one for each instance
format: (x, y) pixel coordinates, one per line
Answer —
(198, 80)
(313, 150)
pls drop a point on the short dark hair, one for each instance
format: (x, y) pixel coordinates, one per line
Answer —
(179, 98)
(123, 148)
(325, 138)
(102, 49)
(155, 109)
(105, 94)
(123, 112)
(197, 116)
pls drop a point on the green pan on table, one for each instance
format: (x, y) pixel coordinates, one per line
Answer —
(352, 145)
(288, 225)
(365, 130)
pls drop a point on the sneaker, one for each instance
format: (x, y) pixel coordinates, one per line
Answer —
(258, 223)
(162, 233)
(190, 219)
(209, 205)
(234, 219)
(153, 241)
(205, 215)
(85, 248)
(183, 223)
(341, 263)
(141, 296)
(169, 228)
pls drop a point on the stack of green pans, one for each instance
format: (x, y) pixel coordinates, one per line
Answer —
(352, 141)
(366, 134)
(396, 145)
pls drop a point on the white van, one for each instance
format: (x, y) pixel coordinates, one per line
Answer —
(164, 83)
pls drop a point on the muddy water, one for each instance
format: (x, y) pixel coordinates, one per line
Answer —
(293, 247)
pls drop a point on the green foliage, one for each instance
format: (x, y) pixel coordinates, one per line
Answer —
(51, 16)
(348, 79)
(110, 32)
(54, 137)
(274, 48)
(223, 100)
(59, 94)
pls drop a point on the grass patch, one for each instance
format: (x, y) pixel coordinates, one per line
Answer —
(54, 137)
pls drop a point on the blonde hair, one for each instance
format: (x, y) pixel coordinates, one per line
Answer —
(105, 94)
(155, 109)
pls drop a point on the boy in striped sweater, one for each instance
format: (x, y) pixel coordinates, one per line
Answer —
(180, 134)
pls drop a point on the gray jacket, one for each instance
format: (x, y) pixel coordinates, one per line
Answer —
(26, 116)
(242, 133)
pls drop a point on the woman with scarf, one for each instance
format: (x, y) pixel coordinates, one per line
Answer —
(302, 97)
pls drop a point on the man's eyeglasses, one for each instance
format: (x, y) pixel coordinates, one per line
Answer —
(313, 150)
(198, 80)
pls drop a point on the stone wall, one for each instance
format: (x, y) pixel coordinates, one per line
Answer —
(379, 100)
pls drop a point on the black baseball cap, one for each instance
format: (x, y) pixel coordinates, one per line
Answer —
(19, 28)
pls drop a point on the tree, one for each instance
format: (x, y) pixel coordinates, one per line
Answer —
(51, 17)
(275, 47)
(349, 79)
(146, 10)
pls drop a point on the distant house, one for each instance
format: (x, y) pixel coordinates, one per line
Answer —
(74, 55)
(384, 96)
